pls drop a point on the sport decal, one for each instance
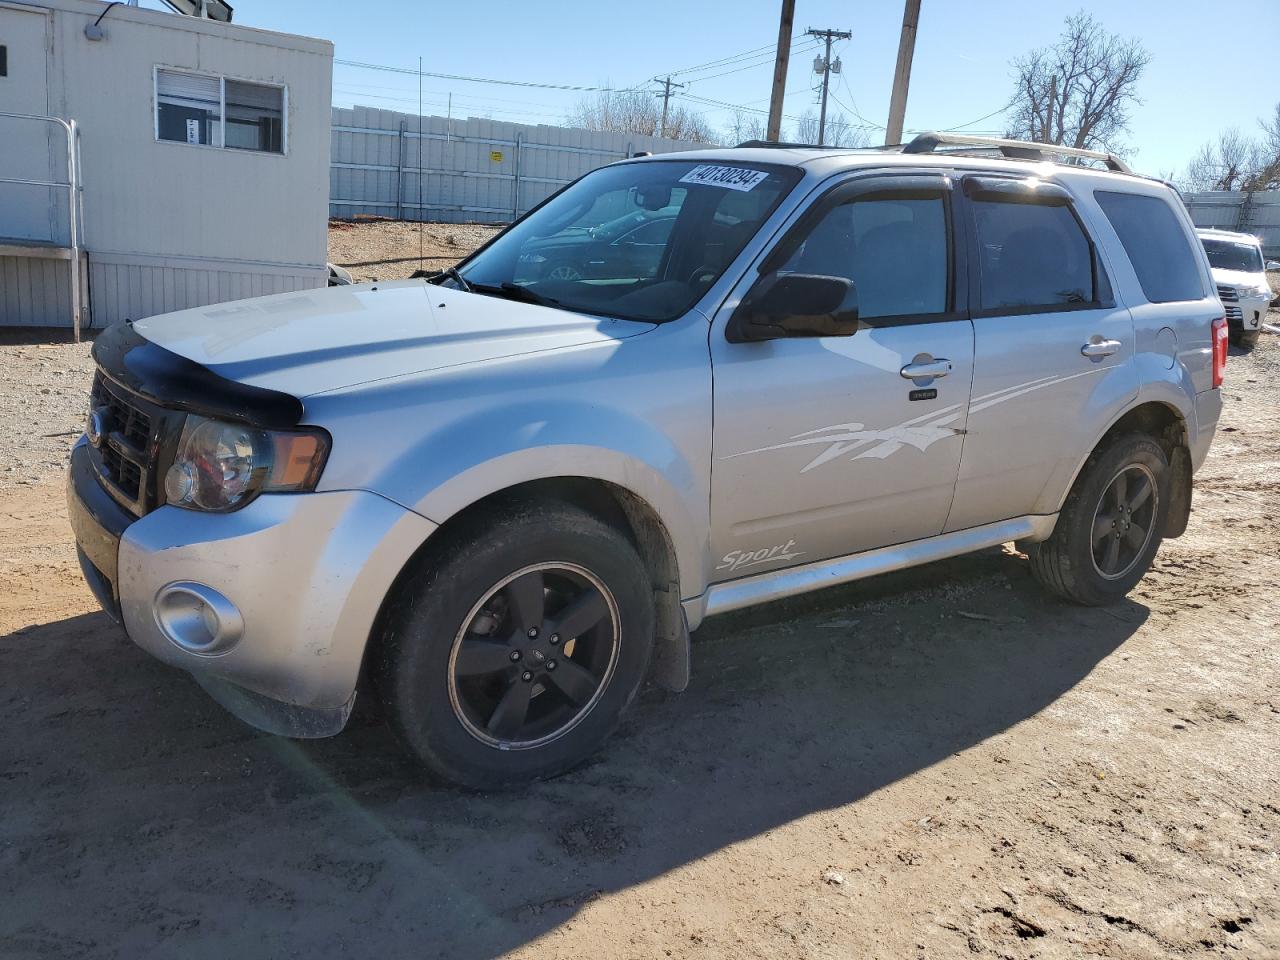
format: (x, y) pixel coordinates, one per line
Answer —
(920, 432)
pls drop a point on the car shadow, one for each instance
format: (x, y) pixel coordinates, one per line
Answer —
(136, 815)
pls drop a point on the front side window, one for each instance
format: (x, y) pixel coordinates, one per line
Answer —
(1032, 256)
(1230, 255)
(894, 251)
(219, 112)
(1156, 244)
(640, 241)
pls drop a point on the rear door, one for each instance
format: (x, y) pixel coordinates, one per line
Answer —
(1053, 351)
(827, 446)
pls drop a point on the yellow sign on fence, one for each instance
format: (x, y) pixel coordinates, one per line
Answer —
(495, 156)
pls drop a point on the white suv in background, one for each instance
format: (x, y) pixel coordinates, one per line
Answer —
(1240, 275)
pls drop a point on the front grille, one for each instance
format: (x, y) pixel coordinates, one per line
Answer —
(126, 444)
(1234, 313)
(1228, 294)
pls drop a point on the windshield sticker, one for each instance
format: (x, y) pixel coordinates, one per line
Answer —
(732, 178)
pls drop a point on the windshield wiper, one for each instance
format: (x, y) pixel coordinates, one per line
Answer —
(448, 273)
(514, 291)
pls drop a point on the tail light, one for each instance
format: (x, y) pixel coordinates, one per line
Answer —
(1219, 336)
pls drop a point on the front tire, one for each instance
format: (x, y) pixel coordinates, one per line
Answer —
(1111, 525)
(1249, 338)
(511, 652)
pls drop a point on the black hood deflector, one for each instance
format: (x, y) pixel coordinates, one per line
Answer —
(173, 381)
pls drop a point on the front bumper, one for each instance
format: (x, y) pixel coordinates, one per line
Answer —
(307, 573)
(1253, 313)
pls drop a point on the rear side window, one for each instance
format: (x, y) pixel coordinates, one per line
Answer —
(1157, 245)
(1032, 256)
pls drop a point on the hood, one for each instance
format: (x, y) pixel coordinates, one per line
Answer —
(1238, 278)
(316, 340)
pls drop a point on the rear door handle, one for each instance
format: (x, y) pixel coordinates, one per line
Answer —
(1097, 349)
(925, 369)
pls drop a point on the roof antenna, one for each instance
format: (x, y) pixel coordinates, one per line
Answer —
(420, 174)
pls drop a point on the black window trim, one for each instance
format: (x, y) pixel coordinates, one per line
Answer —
(882, 185)
(1103, 289)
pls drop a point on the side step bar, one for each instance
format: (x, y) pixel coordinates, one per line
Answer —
(764, 587)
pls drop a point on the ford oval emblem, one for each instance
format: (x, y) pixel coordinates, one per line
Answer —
(96, 428)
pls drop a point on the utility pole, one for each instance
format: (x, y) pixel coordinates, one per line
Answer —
(824, 66)
(902, 74)
(667, 87)
(773, 132)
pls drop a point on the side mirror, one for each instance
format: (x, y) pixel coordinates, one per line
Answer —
(784, 305)
(1273, 265)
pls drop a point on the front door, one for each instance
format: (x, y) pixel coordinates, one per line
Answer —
(828, 446)
(1053, 350)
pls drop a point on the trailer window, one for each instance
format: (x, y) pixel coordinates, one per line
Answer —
(215, 111)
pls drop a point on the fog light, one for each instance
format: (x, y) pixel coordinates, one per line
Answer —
(198, 619)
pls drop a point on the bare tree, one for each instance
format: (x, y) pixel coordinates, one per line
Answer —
(1237, 162)
(841, 133)
(807, 127)
(1078, 92)
(1267, 176)
(746, 126)
(1225, 164)
(638, 111)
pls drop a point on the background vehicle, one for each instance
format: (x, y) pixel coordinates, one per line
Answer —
(505, 502)
(1240, 275)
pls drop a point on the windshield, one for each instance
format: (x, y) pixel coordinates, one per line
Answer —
(640, 241)
(1229, 255)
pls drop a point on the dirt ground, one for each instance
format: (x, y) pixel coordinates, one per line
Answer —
(389, 249)
(935, 764)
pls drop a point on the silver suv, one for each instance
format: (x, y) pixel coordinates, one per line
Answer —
(500, 498)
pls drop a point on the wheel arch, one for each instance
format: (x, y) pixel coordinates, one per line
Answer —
(1165, 422)
(610, 502)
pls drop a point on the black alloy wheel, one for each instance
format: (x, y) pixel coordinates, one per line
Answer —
(534, 656)
(1124, 521)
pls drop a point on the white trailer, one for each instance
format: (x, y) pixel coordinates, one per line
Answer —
(167, 161)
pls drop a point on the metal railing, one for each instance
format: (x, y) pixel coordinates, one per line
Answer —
(75, 203)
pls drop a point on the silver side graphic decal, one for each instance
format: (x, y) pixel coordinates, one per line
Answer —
(919, 432)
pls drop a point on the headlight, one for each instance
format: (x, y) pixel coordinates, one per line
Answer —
(220, 466)
(1262, 290)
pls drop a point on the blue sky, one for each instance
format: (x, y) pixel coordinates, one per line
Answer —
(961, 70)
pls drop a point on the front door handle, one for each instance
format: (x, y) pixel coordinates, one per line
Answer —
(1097, 349)
(922, 370)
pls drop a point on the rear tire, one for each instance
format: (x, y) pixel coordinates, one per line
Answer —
(1111, 525)
(477, 679)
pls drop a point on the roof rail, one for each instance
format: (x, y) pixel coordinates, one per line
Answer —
(1016, 149)
(781, 145)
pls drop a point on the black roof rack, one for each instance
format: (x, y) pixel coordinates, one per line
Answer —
(777, 145)
(1014, 149)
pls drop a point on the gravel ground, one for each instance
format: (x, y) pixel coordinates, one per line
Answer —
(941, 763)
(388, 249)
(44, 398)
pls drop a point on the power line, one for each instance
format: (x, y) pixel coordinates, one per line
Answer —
(870, 123)
(723, 60)
(509, 83)
(729, 106)
(798, 47)
(979, 120)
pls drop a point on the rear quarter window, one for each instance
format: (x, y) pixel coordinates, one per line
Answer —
(1157, 245)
